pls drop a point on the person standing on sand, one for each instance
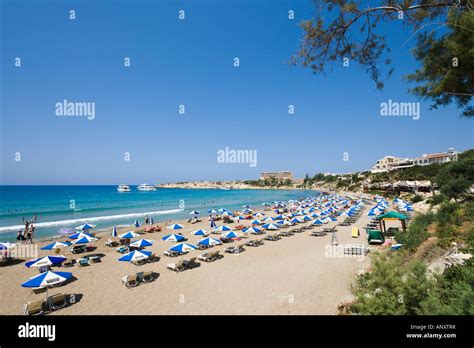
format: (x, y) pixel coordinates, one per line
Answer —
(32, 231)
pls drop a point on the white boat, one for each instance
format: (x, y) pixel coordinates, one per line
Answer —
(146, 187)
(123, 188)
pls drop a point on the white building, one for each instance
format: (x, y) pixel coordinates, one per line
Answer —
(389, 163)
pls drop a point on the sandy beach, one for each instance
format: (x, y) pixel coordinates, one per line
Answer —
(290, 276)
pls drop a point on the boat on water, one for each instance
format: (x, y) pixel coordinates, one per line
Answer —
(146, 187)
(123, 188)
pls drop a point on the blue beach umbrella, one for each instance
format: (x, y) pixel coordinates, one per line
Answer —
(46, 279)
(270, 227)
(114, 232)
(209, 241)
(252, 230)
(212, 211)
(142, 243)
(79, 235)
(230, 235)
(56, 245)
(222, 228)
(86, 226)
(85, 240)
(129, 235)
(317, 222)
(135, 256)
(173, 237)
(256, 222)
(183, 247)
(200, 232)
(194, 212)
(174, 227)
(136, 224)
(45, 261)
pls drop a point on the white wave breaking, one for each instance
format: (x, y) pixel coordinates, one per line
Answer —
(63, 223)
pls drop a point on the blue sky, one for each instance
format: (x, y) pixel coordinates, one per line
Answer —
(190, 62)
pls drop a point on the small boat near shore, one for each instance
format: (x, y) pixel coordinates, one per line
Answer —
(146, 187)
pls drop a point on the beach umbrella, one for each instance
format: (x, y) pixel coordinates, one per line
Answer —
(306, 218)
(46, 279)
(284, 222)
(86, 226)
(141, 243)
(174, 227)
(79, 235)
(256, 222)
(7, 245)
(212, 211)
(270, 227)
(221, 210)
(209, 241)
(173, 237)
(222, 228)
(268, 219)
(56, 245)
(200, 232)
(45, 261)
(238, 218)
(252, 230)
(183, 247)
(135, 255)
(246, 211)
(317, 222)
(136, 224)
(194, 212)
(258, 215)
(152, 221)
(85, 240)
(114, 232)
(227, 213)
(231, 235)
(129, 235)
(265, 204)
(246, 206)
(295, 220)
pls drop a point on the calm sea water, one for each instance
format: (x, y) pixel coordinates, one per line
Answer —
(70, 206)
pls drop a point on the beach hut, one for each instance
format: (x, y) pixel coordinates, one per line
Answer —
(174, 227)
(393, 215)
(173, 238)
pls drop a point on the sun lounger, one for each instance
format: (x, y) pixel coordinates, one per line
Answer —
(57, 301)
(83, 262)
(355, 232)
(153, 258)
(68, 263)
(216, 255)
(318, 233)
(34, 308)
(147, 277)
(252, 243)
(191, 263)
(130, 281)
(77, 249)
(272, 237)
(177, 267)
(122, 249)
(171, 253)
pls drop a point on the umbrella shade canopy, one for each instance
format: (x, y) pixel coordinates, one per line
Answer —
(200, 232)
(212, 211)
(79, 235)
(317, 222)
(85, 240)
(230, 235)
(6, 245)
(47, 279)
(227, 213)
(194, 212)
(270, 227)
(222, 228)
(306, 218)
(45, 261)
(114, 232)
(86, 226)
(135, 256)
(183, 247)
(256, 222)
(173, 237)
(246, 211)
(257, 215)
(392, 215)
(142, 243)
(136, 223)
(56, 245)
(129, 235)
(252, 230)
(174, 227)
(209, 241)
(295, 220)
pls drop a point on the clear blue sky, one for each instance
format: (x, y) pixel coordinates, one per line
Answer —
(191, 62)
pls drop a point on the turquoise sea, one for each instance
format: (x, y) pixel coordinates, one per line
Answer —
(69, 206)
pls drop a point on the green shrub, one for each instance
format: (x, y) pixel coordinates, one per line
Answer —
(417, 199)
(417, 231)
(437, 199)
